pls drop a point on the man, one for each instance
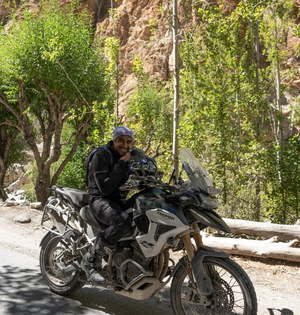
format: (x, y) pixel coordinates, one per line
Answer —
(107, 172)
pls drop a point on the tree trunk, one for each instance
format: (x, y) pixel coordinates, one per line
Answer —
(256, 54)
(3, 194)
(51, 133)
(42, 182)
(266, 230)
(262, 249)
(8, 135)
(98, 6)
(176, 90)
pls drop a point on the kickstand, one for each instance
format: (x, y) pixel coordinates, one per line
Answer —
(157, 297)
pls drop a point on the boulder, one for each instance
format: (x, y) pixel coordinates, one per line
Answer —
(36, 205)
(23, 218)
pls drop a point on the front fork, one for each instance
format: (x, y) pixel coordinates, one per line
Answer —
(190, 250)
(188, 244)
(194, 263)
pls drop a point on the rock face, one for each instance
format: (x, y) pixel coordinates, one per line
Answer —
(144, 28)
(143, 32)
(16, 178)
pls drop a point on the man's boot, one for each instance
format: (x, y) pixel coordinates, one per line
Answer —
(101, 248)
(88, 266)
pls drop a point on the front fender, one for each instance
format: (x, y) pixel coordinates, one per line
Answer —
(203, 281)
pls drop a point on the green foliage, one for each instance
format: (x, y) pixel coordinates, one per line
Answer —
(227, 103)
(30, 194)
(17, 151)
(138, 70)
(283, 192)
(225, 106)
(46, 50)
(9, 137)
(52, 74)
(153, 24)
(112, 50)
(74, 173)
(100, 131)
(31, 173)
(149, 114)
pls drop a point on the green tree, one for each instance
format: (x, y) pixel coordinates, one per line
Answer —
(149, 114)
(112, 49)
(274, 29)
(74, 173)
(289, 182)
(221, 104)
(52, 74)
(235, 66)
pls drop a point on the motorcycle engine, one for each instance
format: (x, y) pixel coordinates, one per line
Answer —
(129, 254)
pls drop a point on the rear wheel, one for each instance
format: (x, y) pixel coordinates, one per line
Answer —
(54, 255)
(233, 292)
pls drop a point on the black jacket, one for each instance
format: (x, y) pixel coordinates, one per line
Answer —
(106, 174)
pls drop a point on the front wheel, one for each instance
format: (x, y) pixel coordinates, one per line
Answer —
(55, 253)
(233, 292)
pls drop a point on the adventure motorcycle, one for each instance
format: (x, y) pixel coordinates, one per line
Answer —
(166, 223)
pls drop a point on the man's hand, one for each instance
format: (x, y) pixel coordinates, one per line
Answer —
(125, 157)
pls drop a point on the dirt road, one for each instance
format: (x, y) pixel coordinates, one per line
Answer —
(277, 283)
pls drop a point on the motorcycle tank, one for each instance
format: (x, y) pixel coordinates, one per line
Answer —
(156, 219)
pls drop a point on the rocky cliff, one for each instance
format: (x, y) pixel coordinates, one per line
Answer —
(132, 27)
(154, 45)
(146, 32)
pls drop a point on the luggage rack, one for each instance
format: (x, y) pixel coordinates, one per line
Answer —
(52, 212)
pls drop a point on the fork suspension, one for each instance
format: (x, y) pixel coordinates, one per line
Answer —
(188, 246)
(197, 236)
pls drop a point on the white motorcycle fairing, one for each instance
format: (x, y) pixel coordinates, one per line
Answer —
(163, 225)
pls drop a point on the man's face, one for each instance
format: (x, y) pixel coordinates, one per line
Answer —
(123, 144)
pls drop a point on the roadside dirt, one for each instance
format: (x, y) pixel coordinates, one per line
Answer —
(21, 237)
(277, 282)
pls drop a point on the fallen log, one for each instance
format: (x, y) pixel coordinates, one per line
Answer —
(263, 249)
(266, 230)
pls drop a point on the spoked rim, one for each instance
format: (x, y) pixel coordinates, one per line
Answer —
(227, 298)
(54, 257)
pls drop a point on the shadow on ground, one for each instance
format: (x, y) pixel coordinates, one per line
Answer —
(284, 311)
(23, 291)
(112, 303)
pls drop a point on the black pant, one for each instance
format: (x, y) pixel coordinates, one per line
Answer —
(111, 214)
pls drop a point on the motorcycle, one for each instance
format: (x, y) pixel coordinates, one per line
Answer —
(164, 245)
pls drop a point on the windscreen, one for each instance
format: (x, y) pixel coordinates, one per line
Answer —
(196, 172)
